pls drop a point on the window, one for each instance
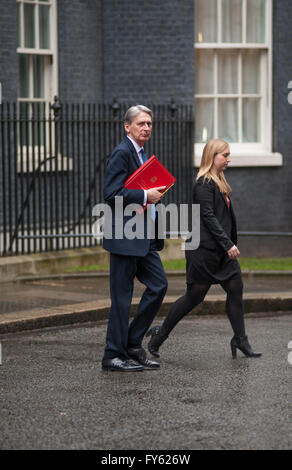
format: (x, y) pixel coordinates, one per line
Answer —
(37, 57)
(233, 78)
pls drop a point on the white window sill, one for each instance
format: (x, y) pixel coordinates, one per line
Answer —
(245, 158)
(45, 163)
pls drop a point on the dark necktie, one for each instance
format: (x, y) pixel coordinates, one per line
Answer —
(143, 155)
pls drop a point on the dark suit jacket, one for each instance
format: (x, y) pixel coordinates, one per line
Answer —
(121, 164)
(217, 221)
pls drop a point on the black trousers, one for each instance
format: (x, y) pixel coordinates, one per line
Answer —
(196, 293)
(123, 269)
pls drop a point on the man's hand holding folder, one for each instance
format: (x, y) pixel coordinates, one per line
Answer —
(155, 194)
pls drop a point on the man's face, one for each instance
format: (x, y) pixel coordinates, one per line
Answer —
(140, 128)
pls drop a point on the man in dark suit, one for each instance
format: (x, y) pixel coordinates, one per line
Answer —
(130, 258)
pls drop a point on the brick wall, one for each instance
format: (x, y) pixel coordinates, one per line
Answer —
(80, 46)
(148, 50)
(8, 46)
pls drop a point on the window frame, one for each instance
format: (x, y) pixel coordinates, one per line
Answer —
(246, 154)
(52, 52)
(26, 152)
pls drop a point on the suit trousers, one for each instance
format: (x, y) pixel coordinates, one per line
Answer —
(123, 270)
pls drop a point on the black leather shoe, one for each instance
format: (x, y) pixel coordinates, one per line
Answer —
(121, 365)
(139, 355)
(241, 343)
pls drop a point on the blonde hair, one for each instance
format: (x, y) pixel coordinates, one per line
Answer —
(211, 149)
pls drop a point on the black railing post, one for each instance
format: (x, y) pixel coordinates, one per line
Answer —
(3, 182)
(57, 108)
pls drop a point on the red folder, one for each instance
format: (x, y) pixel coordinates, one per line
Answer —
(151, 174)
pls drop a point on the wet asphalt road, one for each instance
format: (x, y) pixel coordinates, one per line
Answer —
(55, 396)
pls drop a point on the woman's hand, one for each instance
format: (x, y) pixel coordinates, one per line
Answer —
(233, 252)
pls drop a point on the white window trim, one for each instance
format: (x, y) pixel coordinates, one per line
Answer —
(51, 89)
(248, 154)
(53, 51)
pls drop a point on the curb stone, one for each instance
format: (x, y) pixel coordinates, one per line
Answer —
(94, 311)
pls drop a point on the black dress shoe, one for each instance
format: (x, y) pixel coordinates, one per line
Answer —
(139, 355)
(121, 365)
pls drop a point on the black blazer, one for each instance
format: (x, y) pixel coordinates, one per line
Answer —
(217, 221)
(121, 164)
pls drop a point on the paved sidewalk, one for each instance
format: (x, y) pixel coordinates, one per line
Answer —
(57, 300)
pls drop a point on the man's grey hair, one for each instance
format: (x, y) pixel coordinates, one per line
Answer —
(134, 111)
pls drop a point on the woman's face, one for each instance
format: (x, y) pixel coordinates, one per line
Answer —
(221, 160)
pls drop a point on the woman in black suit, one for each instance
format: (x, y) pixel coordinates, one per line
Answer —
(214, 261)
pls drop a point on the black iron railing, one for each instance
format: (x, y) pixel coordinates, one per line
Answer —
(52, 161)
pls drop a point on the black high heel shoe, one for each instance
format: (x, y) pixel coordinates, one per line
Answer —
(241, 343)
(156, 340)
